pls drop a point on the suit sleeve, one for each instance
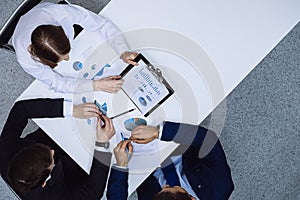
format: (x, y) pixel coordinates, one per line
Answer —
(95, 186)
(28, 109)
(184, 134)
(196, 140)
(117, 188)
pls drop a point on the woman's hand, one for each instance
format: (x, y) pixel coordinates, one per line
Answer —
(86, 110)
(111, 84)
(128, 57)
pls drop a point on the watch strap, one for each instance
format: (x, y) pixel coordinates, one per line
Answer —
(102, 144)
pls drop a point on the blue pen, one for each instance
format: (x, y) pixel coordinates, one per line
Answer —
(126, 149)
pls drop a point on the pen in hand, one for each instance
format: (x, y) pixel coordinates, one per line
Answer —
(126, 149)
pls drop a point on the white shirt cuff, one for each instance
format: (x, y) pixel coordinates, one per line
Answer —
(68, 108)
(160, 131)
(119, 44)
(119, 167)
(102, 149)
(121, 48)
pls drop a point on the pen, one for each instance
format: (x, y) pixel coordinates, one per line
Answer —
(123, 113)
(126, 149)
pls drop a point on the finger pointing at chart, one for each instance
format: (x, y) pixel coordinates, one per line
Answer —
(110, 84)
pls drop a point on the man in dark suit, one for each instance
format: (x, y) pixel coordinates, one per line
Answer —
(36, 168)
(186, 176)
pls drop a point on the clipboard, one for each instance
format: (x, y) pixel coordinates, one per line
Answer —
(145, 85)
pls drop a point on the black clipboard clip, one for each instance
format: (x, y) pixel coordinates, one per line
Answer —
(156, 72)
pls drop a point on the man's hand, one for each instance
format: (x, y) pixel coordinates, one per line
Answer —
(128, 57)
(122, 155)
(85, 111)
(105, 129)
(143, 134)
(110, 84)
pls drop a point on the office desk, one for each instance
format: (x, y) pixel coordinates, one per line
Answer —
(235, 35)
(203, 48)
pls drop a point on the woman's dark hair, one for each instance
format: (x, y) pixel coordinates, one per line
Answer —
(29, 168)
(168, 195)
(48, 42)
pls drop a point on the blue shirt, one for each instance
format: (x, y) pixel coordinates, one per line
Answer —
(184, 183)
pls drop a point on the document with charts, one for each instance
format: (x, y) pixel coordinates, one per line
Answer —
(145, 86)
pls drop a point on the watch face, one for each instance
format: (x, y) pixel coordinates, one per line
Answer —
(106, 145)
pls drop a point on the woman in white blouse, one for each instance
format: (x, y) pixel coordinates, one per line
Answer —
(42, 39)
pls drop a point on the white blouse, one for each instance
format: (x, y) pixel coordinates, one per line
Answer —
(65, 16)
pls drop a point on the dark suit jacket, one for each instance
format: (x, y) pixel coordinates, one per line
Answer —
(117, 184)
(68, 180)
(210, 177)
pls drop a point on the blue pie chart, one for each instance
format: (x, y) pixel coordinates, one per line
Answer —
(143, 101)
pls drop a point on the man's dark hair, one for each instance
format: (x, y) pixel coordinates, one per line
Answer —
(167, 195)
(48, 42)
(29, 168)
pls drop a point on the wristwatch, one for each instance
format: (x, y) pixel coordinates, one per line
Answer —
(102, 144)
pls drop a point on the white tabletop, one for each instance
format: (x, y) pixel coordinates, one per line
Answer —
(219, 41)
(204, 48)
(235, 34)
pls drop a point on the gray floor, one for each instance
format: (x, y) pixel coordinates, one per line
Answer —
(261, 133)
